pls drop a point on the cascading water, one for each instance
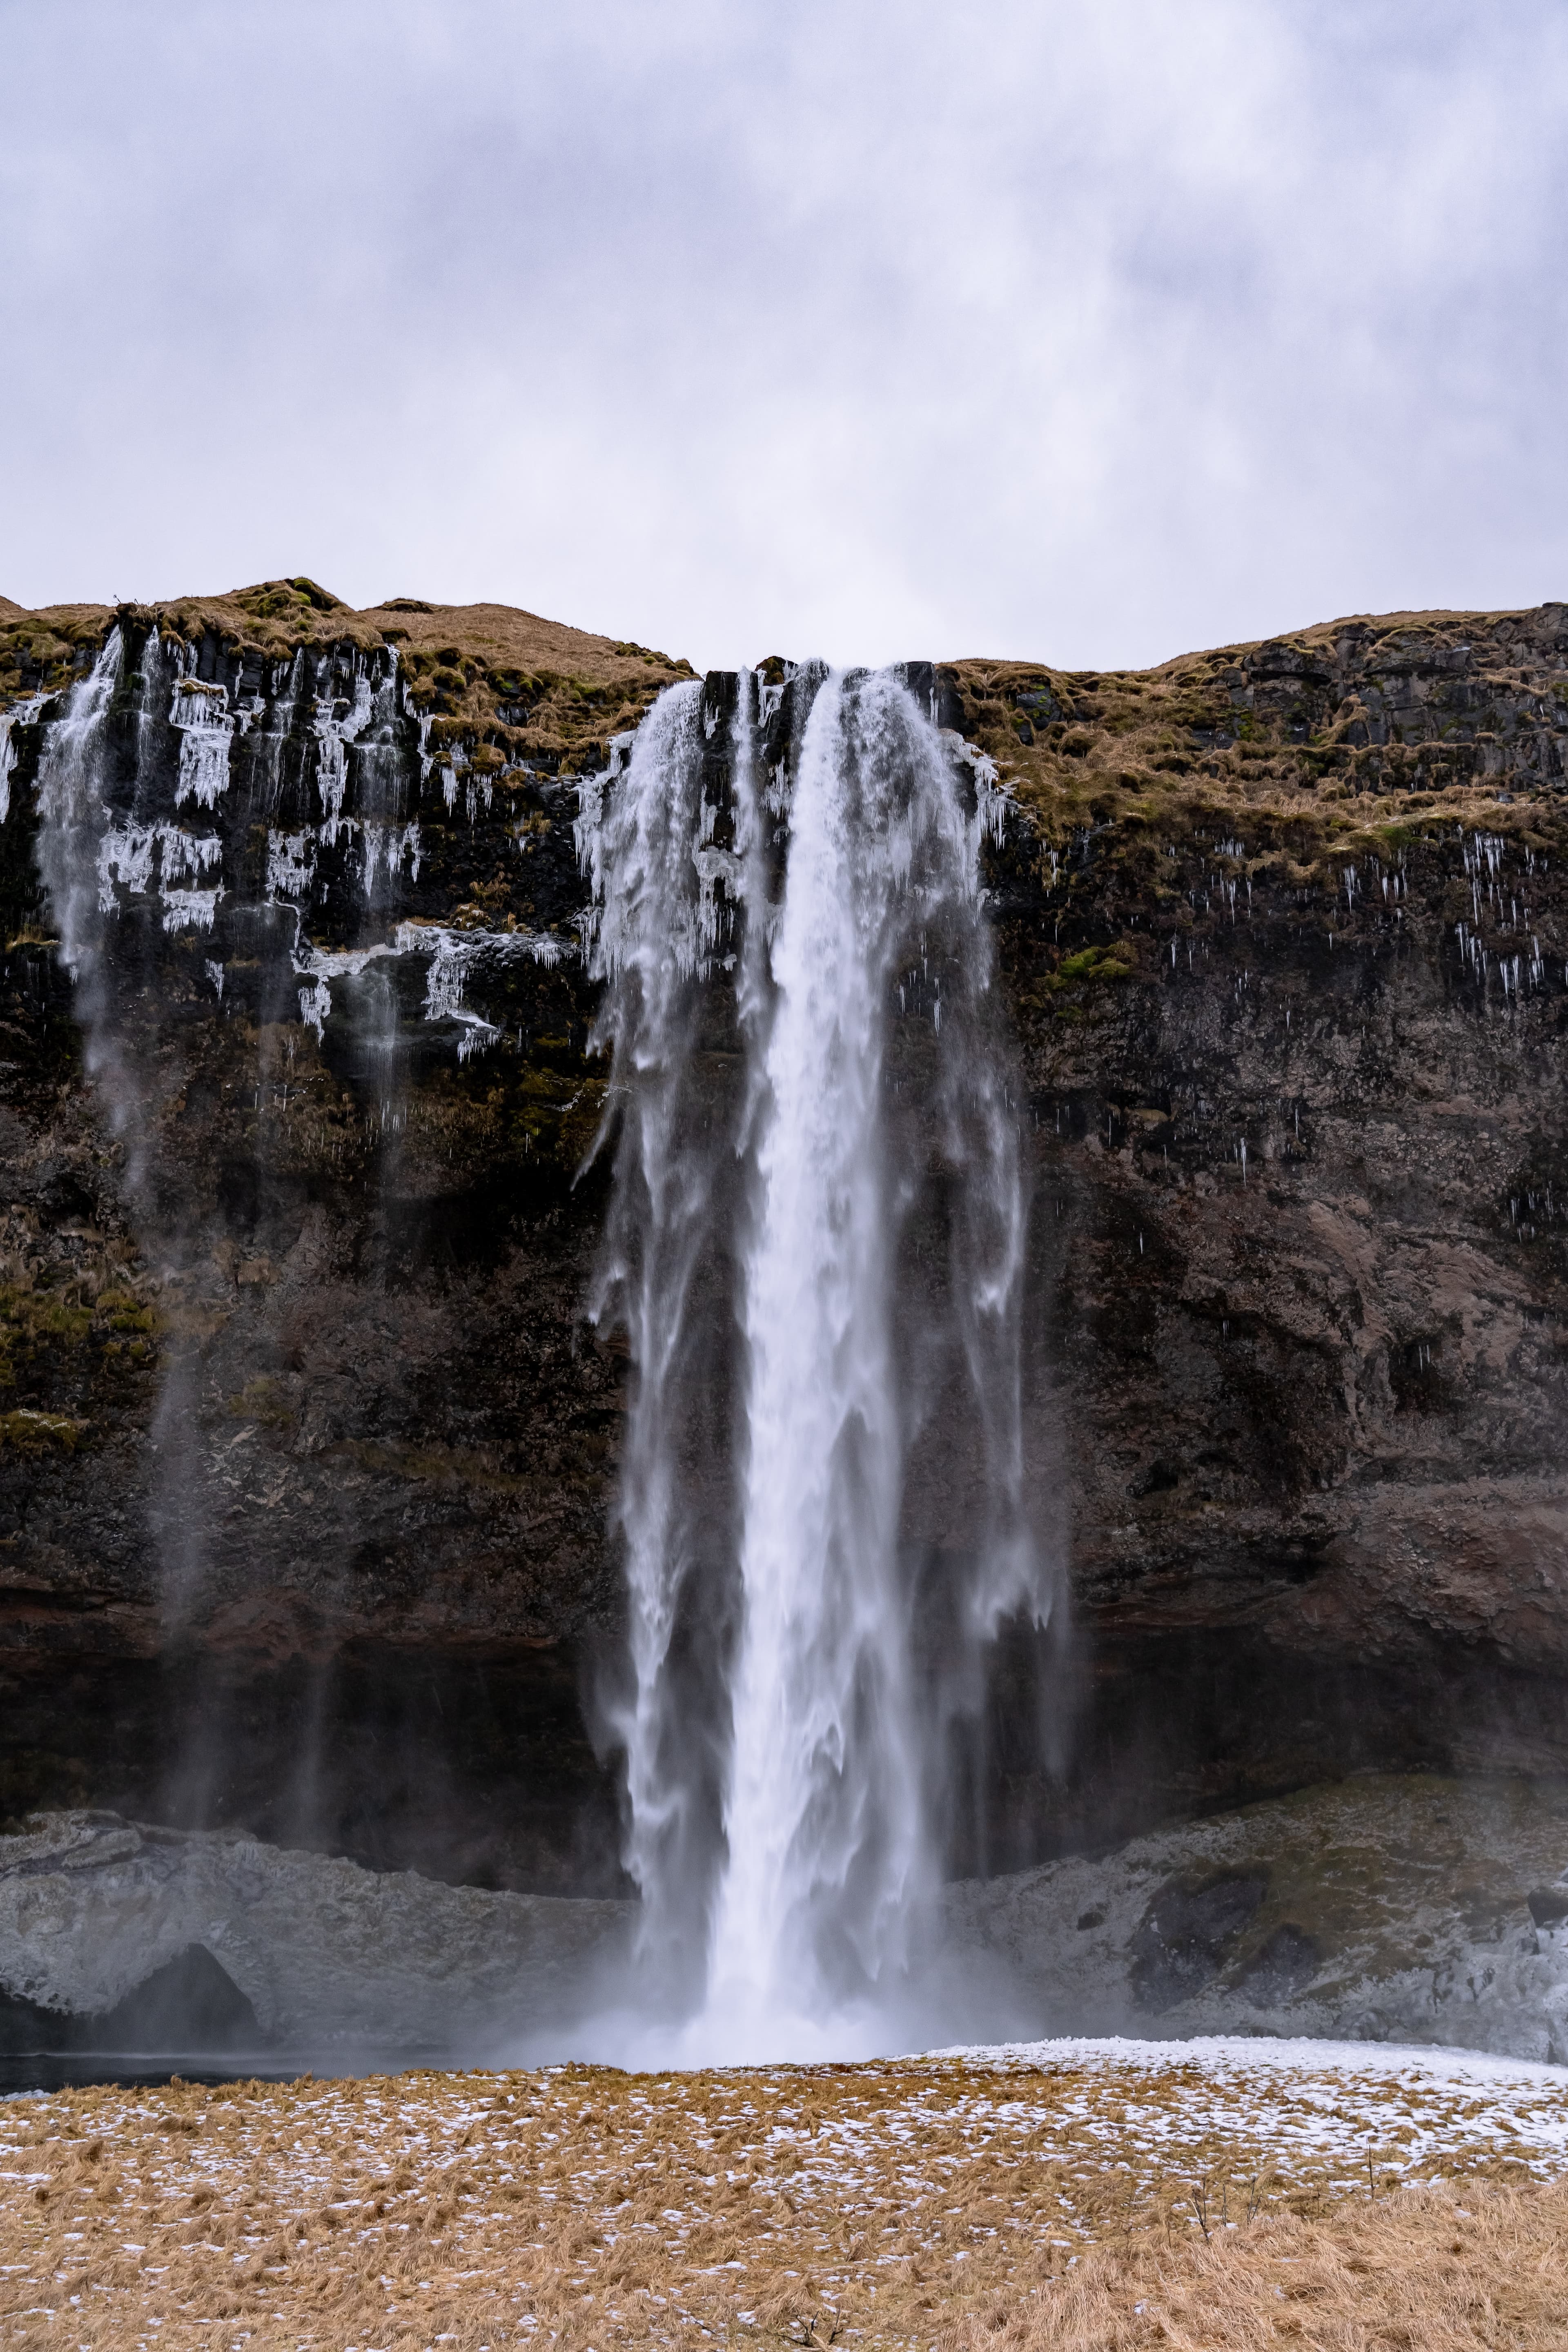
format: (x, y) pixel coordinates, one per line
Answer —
(667, 895)
(787, 1791)
(73, 830)
(814, 1242)
(229, 849)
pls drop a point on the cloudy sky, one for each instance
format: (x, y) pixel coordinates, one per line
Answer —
(1088, 329)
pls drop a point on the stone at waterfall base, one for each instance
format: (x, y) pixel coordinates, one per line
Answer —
(1410, 1910)
(1405, 1909)
(322, 1952)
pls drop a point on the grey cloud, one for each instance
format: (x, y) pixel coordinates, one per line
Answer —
(1086, 331)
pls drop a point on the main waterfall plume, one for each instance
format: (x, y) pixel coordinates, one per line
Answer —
(810, 1089)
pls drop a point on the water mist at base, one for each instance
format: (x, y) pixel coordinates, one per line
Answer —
(808, 1087)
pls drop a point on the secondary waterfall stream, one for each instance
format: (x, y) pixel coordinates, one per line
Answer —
(810, 1090)
(227, 850)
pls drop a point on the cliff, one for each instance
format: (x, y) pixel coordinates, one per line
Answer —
(306, 1447)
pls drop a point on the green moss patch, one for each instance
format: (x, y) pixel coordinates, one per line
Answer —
(41, 1433)
(1088, 967)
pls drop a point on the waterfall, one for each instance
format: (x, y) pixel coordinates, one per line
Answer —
(82, 857)
(667, 863)
(230, 850)
(787, 1755)
(813, 1244)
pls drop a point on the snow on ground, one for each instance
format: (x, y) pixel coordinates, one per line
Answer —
(1326, 2101)
(499, 2207)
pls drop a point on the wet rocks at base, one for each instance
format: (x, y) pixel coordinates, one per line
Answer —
(1399, 1909)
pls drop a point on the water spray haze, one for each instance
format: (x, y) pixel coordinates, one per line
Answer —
(797, 880)
(656, 927)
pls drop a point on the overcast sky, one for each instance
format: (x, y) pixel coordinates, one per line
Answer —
(1085, 330)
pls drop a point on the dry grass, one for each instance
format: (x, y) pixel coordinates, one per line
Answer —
(904, 2203)
(466, 664)
(275, 618)
(1136, 748)
(1431, 2271)
(1159, 750)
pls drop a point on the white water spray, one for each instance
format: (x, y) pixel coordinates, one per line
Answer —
(662, 910)
(794, 1929)
(81, 857)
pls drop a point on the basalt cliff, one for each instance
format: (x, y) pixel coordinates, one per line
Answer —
(308, 1443)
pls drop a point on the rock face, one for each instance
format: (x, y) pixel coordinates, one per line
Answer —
(1291, 999)
(308, 1446)
(306, 1455)
(316, 1954)
(1417, 1911)
(1409, 1910)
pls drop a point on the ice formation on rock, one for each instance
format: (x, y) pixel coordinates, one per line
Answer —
(330, 740)
(206, 729)
(20, 714)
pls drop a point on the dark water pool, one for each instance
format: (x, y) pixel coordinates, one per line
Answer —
(62, 2070)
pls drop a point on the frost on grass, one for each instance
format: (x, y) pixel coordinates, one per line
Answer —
(1025, 2198)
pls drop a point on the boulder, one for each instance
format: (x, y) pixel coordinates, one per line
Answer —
(1383, 1908)
(114, 1935)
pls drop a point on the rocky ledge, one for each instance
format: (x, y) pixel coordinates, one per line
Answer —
(1374, 1909)
(115, 1935)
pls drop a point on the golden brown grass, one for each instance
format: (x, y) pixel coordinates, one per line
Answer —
(464, 662)
(1135, 748)
(903, 2203)
(275, 618)
(1431, 2272)
(1138, 749)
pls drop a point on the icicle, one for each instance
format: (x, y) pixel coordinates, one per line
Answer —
(21, 714)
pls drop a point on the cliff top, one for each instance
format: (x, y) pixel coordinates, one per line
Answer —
(1398, 715)
(1417, 711)
(528, 684)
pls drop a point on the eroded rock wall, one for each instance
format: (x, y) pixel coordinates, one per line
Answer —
(1292, 1024)
(304, 1443)
(307, 1449)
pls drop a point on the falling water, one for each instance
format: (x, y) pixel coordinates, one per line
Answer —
(813, 1244)
(73, 831)
(668, 893)
(858, 999)
(154, 784)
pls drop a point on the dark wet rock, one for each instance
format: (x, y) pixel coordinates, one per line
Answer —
(307, 1447)
(189, 2003)
(1188, 1932)
(1280, 1969)
(27, 2026)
